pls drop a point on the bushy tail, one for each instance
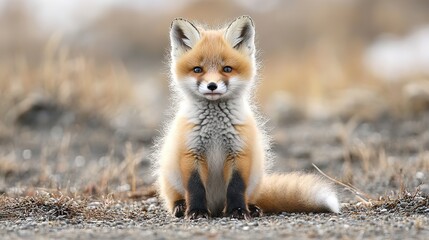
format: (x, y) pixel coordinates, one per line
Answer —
(297, 192)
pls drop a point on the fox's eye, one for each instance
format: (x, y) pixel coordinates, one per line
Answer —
(227, 69)
(198, 69)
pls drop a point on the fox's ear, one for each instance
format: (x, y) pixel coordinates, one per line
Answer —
(240, 33)
(183, 35)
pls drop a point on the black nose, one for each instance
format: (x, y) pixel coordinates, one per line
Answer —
(212, 86)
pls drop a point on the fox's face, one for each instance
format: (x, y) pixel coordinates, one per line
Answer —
(213, 64)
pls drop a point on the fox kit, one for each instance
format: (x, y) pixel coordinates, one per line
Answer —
(213, 157)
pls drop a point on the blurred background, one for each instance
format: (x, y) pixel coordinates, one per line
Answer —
(88, 80)
(319, 58)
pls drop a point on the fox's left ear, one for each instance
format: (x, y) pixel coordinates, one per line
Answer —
(240, 33)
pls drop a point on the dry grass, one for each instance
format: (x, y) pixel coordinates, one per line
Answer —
(87, 97)
(46, 205)
(416, 201)
(49, 206)
(69, 83)
(372, 165)
(369, 162)
(322, 85)
(312, 62)
(403, 202)
(111, 175)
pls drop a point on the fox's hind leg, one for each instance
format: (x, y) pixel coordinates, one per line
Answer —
(254, 210)
(174, 201)
(179, 208)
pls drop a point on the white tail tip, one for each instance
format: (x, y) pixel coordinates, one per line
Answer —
(332, 203)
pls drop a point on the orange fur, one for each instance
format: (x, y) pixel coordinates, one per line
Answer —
(212, 51)
(292, 192)
(227, 170)
(182, 127)
(253, 156)
(170, 194)
(188, 164)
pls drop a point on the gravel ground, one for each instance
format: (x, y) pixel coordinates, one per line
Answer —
(403, 218)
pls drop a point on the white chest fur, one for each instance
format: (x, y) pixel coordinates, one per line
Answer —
(214, 138)
(214, 125)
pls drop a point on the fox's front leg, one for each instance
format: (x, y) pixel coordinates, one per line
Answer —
(193, 172)
(237, 171)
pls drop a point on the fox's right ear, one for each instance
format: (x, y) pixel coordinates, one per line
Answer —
(183, 36)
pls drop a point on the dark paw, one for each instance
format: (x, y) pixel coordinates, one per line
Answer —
(254, 210)
(239, 213)
(197, 214)
(179, 208)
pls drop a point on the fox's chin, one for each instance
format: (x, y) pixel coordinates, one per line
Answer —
(213, 96)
